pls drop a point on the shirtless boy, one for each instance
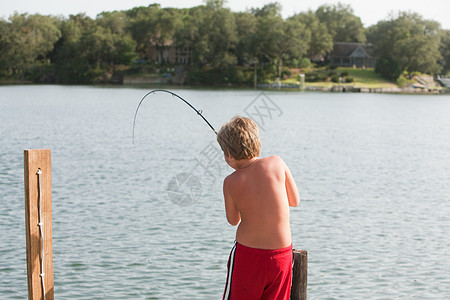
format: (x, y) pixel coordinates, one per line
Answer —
(257, 197)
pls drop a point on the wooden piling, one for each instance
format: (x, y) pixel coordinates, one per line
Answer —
(299, 275)
(35, 160)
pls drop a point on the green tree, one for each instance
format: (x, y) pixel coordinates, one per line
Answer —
(89, 52)
(445, 51)
(272, 9)
(219, 28)
(246, 27)
(116, 21)
(388, 68)
(296, 39)
(341, 23)
(278, 40)
(25, 41)
(210, 31)
(5, 49)
(321, 41)
(71, 56)
(269, 30)
(114, 27)
(141, 25)
(187, 34)
(408, 41)
(153, 28)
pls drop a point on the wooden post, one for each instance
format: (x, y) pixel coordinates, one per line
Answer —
(33, 161)
(302, 82)
(299, 275)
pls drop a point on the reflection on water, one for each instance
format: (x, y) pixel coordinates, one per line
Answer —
(373, 173)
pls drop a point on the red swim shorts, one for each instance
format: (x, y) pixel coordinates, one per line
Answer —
(255, 274)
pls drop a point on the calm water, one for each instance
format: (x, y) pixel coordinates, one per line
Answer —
(373, 172)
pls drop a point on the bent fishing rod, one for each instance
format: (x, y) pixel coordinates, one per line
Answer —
(199, 112)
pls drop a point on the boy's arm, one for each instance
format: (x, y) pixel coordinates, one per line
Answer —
(232, 212)
(291, 188)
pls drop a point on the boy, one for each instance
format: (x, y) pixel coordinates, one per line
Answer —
(257, 197)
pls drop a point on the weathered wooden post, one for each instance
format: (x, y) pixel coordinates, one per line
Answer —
(299, 275)
(38, 223)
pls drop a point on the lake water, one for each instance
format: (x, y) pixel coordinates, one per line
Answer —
(373, 172)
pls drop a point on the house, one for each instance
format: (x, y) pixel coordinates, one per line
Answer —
(352, 55)
(171, 54)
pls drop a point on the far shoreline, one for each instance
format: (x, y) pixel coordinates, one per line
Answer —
(337, 88)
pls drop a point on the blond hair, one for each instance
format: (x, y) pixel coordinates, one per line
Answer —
(240, 138)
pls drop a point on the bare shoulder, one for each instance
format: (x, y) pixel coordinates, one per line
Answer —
(227, 184)
(231, 179)
(274, 160)
(228, 179)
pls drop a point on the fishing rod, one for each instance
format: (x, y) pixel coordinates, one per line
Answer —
(199, 112)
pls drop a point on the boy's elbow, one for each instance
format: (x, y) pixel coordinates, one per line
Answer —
(233, 221)
(294, 202)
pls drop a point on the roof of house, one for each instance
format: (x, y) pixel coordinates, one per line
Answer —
(352, 49)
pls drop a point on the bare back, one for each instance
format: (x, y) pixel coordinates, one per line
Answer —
(260, 194)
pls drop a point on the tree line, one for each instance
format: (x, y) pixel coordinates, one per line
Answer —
(224, 44)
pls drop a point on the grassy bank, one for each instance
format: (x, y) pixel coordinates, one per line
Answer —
(362, 78)
(368, 78)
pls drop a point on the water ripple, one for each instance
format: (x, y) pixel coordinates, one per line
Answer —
(372, 170)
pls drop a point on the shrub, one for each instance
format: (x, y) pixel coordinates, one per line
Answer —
(304, 63)
(316, 76)
(242, 76)
(213, 76)
(349, 79)
(286, 73)
(332, 67)
(335, 78)
(402, 81)
(388, 68)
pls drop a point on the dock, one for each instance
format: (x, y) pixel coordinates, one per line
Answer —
(38, 231)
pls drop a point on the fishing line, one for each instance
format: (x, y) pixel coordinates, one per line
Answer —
(199, 112)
